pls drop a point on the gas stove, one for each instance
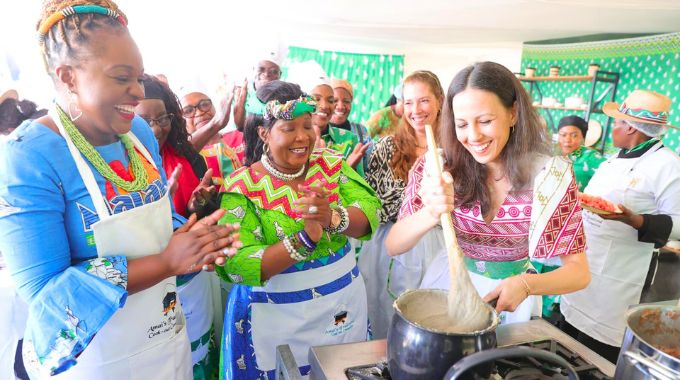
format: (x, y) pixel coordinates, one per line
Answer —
(367, 360)
(516, 368)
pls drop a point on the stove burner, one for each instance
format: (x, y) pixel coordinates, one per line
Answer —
(506, 369)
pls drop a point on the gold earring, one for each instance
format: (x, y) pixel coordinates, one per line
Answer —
(73, 106)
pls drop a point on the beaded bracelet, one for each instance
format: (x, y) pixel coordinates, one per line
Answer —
(292, 252)
(306, 241)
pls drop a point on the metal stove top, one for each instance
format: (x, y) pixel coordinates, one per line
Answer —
(330, 362)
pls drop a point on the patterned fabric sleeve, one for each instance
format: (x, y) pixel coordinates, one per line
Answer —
(411, 203)
(68, 303)
(245, 267)
(355, 192)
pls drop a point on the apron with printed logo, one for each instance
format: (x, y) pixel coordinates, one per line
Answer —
(146, 339)
(618, 261)
(302, 308)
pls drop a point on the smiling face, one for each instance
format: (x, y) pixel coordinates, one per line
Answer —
(482, 124)
(421, 106)
(290, 142)
(570, 138)
(343, 105)
(107, 85)
(199, 117)
(153, 111)
(265, 72)
(323, 94)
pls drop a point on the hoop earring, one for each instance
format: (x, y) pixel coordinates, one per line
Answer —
(265, 148)
(73, 106)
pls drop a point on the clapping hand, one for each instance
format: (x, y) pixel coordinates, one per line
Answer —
(357, 155)
(314, 209)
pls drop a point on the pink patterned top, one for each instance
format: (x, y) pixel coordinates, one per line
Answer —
(506, 238)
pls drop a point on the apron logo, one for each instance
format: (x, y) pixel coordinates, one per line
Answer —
(169, 302)
(340, 322)
(340, 317)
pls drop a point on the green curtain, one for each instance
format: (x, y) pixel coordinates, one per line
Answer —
(373, 76)
(650, 63)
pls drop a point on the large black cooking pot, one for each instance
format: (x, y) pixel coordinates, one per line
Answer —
(415, 352)
(650, 330)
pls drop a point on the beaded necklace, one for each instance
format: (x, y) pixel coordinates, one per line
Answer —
(96, 159)
(278, 174)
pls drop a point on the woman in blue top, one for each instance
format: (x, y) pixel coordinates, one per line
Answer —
(86, 225)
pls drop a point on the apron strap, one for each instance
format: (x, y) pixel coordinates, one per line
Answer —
(86, 172)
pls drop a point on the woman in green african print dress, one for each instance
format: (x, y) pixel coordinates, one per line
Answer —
(296, 278)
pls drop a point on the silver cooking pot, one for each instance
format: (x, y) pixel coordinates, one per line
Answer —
(648, 329)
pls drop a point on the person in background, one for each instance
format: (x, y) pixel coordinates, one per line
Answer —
(385, 120)
(341, 140)
(203, 124)
(160, 108)
(511, 202)
(265, 71)
(86, 225)
(571, 132)
(13, 112)
(644, 180)
(387, 173)
(296, 280)
(344, 95)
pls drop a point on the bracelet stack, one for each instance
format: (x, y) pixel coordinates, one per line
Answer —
(344, 221)
(299, 245)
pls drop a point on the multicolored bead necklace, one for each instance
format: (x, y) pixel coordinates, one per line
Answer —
(138, 172)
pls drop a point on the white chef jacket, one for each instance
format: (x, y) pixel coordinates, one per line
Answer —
(618, 260)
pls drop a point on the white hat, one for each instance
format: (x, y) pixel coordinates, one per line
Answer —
(308, 75)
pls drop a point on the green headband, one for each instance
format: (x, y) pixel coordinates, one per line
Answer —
(290, 109)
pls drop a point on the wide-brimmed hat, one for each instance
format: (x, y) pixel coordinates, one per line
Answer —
(9, 94)
(642, 106)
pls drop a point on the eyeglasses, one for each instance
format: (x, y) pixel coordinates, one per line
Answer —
(163, 121)
(204, 106)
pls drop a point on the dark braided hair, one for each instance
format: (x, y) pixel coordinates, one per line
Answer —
(274, 90)
(62, 41)
(178, 137)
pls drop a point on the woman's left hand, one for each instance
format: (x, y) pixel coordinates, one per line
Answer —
(510, 293)
(357, 155)
(315, 199)
(626, 216)
(202, 193)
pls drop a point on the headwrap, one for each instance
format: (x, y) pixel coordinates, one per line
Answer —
(575, 121)
(341, 83)
(290, 109)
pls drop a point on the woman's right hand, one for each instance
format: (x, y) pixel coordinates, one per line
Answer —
(200, 244)
(437, 195)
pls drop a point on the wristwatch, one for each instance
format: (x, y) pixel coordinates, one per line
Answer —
(339, 220)
(336, 219)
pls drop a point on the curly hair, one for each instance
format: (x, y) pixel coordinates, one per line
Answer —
(527, 139)
(64, 39)
(14, 112)
(274, 90)
(404, 137)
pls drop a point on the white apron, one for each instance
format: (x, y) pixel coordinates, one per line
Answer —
(437, 277)
(13, 316)
(146, 339)
(387, 277)
(338, 317)
(618, 261)
(197, 305)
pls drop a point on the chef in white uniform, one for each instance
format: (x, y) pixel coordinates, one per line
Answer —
(644, 180)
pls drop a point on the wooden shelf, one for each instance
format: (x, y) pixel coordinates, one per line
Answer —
(561, 108)
(572, 78)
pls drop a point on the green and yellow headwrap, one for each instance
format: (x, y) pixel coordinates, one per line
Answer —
(290, 109)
